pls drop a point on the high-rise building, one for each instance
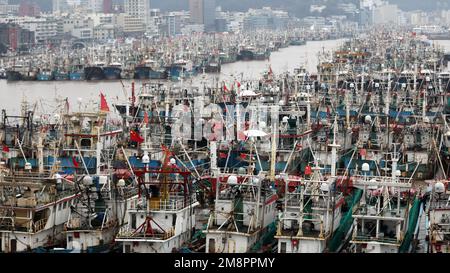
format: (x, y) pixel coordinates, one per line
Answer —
(59, 5)
(203, 12)
(196, 10)
(107, 6)
(95, 6)
(209, 14)
(140, 9)
(386, 14)
(29, 8)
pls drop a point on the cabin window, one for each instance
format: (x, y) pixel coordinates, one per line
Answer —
(133, 221)
(212, 245)
(127, 249)
(64, 205)
(59, 207)
(283, 247)
(70, 238)
(85, 142)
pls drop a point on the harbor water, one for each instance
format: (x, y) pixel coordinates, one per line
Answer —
(42, 93)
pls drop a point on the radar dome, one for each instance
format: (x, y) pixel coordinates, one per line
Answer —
(232, 180)
(145, 158)
(365, 167)
(87, 180)
(28, 166)
(324, 187)
(439, 187)
(121, 183)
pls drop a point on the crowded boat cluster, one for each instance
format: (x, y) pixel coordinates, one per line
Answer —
(351, 158)
(156, 58)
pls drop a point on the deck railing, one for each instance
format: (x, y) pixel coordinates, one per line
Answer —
(127, 233)
(39, 225)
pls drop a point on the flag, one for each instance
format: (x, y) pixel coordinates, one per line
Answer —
(145, 117)
(5, 149)
(270, 70)
(243, 156)
(134, 136)
(225, 88)
(238, 84)
(362, 152)
(103, 104)
(75, 163)
(223, 155)
(308, 170)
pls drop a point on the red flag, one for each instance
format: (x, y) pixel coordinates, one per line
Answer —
(243, 156)
(270, 70)
(5, 149)
(145, 117)
(134, 136)
(103, 104)
(362, 152)
(308, 170)
(225, 88)
(75, 163)
(223, 155)
(238, 84)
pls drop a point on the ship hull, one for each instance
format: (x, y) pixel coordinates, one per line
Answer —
(61, 76)
(13, 76)
(76, 76)
(157, 75)
(44, 77)
(142, 73)
(112, 73)
(93, 73)
(246, 55)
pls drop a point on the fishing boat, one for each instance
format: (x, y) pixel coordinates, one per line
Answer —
(14, 73)
(76, 73)
(439, 217)
(386, 217)
(312, 209)
(33, 210)
(95, 72)
(112, 71)
(61, 75)
(164, 217)
(45, 74)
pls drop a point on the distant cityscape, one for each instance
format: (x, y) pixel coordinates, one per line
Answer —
(24, 25)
